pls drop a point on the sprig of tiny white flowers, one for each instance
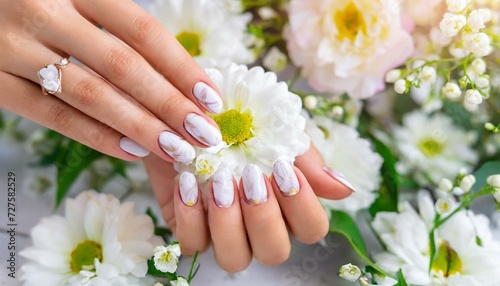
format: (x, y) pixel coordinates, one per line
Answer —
(165, 261)
(465, 72)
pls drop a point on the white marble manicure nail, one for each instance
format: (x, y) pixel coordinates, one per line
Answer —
(254, 184)
(131, 147)
(285, 178)
(222, 183)
(208, 97)
(339, 177)
(176, 147)
(202, 130)
(188, 189)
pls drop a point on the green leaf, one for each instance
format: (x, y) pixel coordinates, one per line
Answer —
(458, 114)
(155, 272)
(193, 263)
(389, 191)
(401, 279)
(71, 162)
(486, 170)
(342, 223)
(153, 217)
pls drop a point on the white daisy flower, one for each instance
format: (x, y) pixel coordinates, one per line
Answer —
(167, 258)
(432, 148)
(260, 123)
(98, 240)
(211, 31)
(344, 151)
(458, 260)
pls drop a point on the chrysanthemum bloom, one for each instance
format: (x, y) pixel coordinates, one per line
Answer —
(344, 151)
(432, 147)
(459, 258)
(347, 46)
(260, 122)
(210, 30)
(98, 241)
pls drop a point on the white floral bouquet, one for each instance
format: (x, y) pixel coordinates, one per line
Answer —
(401, 96)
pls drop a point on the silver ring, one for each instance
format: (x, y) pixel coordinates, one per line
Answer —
(50, 77)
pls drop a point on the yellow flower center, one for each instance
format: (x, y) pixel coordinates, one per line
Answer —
(84, 254)
(165, 257)
(235, 126)
(446, 261)
(349, 22)
(430, 147)
(190, 42)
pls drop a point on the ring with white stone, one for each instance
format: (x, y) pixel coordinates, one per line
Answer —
(50, 77)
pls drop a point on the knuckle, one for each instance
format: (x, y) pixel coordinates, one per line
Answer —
(97, 136)
(145, 29)
(119, 62)
(61, 117)
(88, 91)
(170, 105)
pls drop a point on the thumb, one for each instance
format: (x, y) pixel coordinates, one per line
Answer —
(325, 182)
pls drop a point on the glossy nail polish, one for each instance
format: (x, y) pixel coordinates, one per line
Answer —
(339, 177)
(254, 185)
(222, 183)
(188, 189)
(176, 147)
(285, 178)
(131, 147)
(202, 130)
(208, 97)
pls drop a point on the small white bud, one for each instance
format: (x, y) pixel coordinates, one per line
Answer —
(400, 86)
(364, 281)
(428, 74)
(444, 205)
(457, 191)
(452, 24)
(467, 182)
(478, 66)
(266, 13)
(463, 172)
(473, 97)
(392, 76)
(456, 6)
(452, 91)
(445, 185)
(349, 272)
(482, 82)
(275, 60)
(478, 44)
(310, 102)
(476, 21)
(486, 14)
(494, 180)
(489, 126)
(337, 111)
(457, 52)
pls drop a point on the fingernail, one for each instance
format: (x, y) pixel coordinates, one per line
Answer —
(285, 178)
(223, 187)
(202, 130)
(339, 177)
(189, 189)
(131, 147)
(208, 97)
(176, 147)
(254, 184)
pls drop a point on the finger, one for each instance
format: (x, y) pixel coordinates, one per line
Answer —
(229, 237)
(162, 178)
(26, 99)
(325, 182)
(263, 220)
(146, 35)
(304, 214)
(128, 71)
(191, 224)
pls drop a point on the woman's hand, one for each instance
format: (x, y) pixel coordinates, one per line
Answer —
(141, 91)
(248, 218)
